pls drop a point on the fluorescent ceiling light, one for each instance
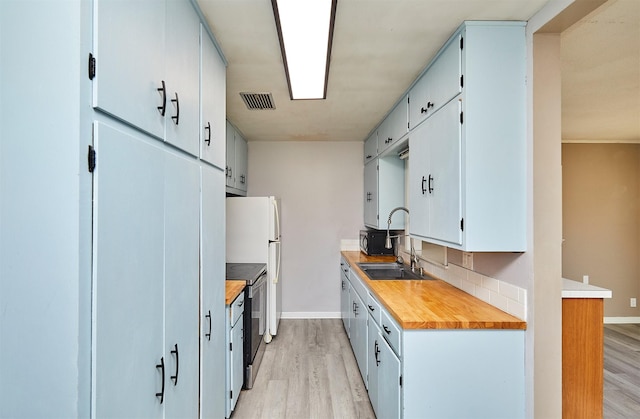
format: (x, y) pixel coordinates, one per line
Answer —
(305, 29)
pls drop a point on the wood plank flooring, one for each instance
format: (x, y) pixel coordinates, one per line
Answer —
(308, 371)
(621, 371)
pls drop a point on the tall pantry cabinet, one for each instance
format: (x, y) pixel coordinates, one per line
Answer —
(111, 211)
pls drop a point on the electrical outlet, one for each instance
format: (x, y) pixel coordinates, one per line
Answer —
(467, 260)
(632, 302)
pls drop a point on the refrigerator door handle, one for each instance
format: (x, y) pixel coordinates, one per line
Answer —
(277, 218)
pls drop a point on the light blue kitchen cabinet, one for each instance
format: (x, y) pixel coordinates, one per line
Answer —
(442, 82)
(394, 126)
(130, 79)
(153, 83)
(182, 76)
(434, 173)
(213, 101)
(344, 294)
(383, 191)
(237, 155)
(486, 122)
(181, 284)
(212, 289)
(371, 147)
(373, 364)
(130, 370)
(234, 357)
(438, 373)
(358, 323)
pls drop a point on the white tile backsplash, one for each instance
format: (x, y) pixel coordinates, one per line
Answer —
(503, 295)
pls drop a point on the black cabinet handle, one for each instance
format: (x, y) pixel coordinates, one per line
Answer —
(386, 329)
(343, 285)
(208, 129)
(425, 110)
(176, 118)
(208, 335)
(241, 303)
(388, 140)
(161, 367)
(369, 196)
(175, 352)
(423, 189)
(242, 179)
(163, 90)
(430, 185)
(370, 307)
(376, 351)
(369, 156)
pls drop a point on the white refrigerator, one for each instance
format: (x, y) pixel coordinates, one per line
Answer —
(253, 236)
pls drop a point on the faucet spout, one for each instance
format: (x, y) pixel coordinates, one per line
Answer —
(388, 245)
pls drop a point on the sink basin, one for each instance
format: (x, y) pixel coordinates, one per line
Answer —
(389, 271)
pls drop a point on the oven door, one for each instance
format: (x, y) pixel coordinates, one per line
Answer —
(258, 311)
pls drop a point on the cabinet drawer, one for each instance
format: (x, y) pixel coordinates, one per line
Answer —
(236, 309)
(373, 307)
(390, 331)
(356, 284)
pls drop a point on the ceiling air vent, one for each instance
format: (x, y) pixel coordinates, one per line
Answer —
(257, 101)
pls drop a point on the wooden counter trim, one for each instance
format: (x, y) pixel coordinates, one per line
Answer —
(233, 288)
(431, 304)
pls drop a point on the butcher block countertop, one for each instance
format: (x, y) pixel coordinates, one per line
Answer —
(431, 304)
(233, 288)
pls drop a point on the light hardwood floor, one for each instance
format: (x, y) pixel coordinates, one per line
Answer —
(308, 371)
(621, 371)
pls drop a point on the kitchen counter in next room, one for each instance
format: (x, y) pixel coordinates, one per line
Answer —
(233, 288)
(431, 304)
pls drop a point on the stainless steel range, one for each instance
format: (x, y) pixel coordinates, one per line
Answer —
(255, 314)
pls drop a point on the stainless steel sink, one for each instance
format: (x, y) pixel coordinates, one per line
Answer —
(390, 271)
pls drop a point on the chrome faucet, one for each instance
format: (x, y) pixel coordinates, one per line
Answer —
(388, 245)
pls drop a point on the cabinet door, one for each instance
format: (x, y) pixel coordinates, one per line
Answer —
(371, 147)
(344, 301)
(182, 230)
(212, 285)
(129, 71)
(371, 193)
(213, 98)
(182, 118)
(419, 181)
(394, 126)
(419, 105)
(128, 249)
(359, 341)
(444, 76)
(389, 390)
(237, 372)
(231, 155)
(373, 342)
(445, 155)
(241, 162)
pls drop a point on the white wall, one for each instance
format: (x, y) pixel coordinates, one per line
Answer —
(320, 185)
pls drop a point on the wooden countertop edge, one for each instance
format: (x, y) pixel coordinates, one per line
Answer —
(233, 288)
(498, 319)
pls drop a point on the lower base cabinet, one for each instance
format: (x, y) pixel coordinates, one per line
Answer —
(437, 373)
(235, 337)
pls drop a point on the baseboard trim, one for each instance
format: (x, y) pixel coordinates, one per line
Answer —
(311, 315)
(621, 320)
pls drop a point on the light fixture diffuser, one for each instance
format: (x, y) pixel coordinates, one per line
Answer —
(305, 30)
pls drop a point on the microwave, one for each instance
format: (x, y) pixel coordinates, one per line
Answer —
(372, 242)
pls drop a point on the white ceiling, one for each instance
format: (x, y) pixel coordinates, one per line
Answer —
(380, 47)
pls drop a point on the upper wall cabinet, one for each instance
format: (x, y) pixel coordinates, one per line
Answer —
(213, 101)
(467, 169)
(441, 83)
(130, 72)
(152, 83)
(371, 147)
(236, 168)
(394, 126)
